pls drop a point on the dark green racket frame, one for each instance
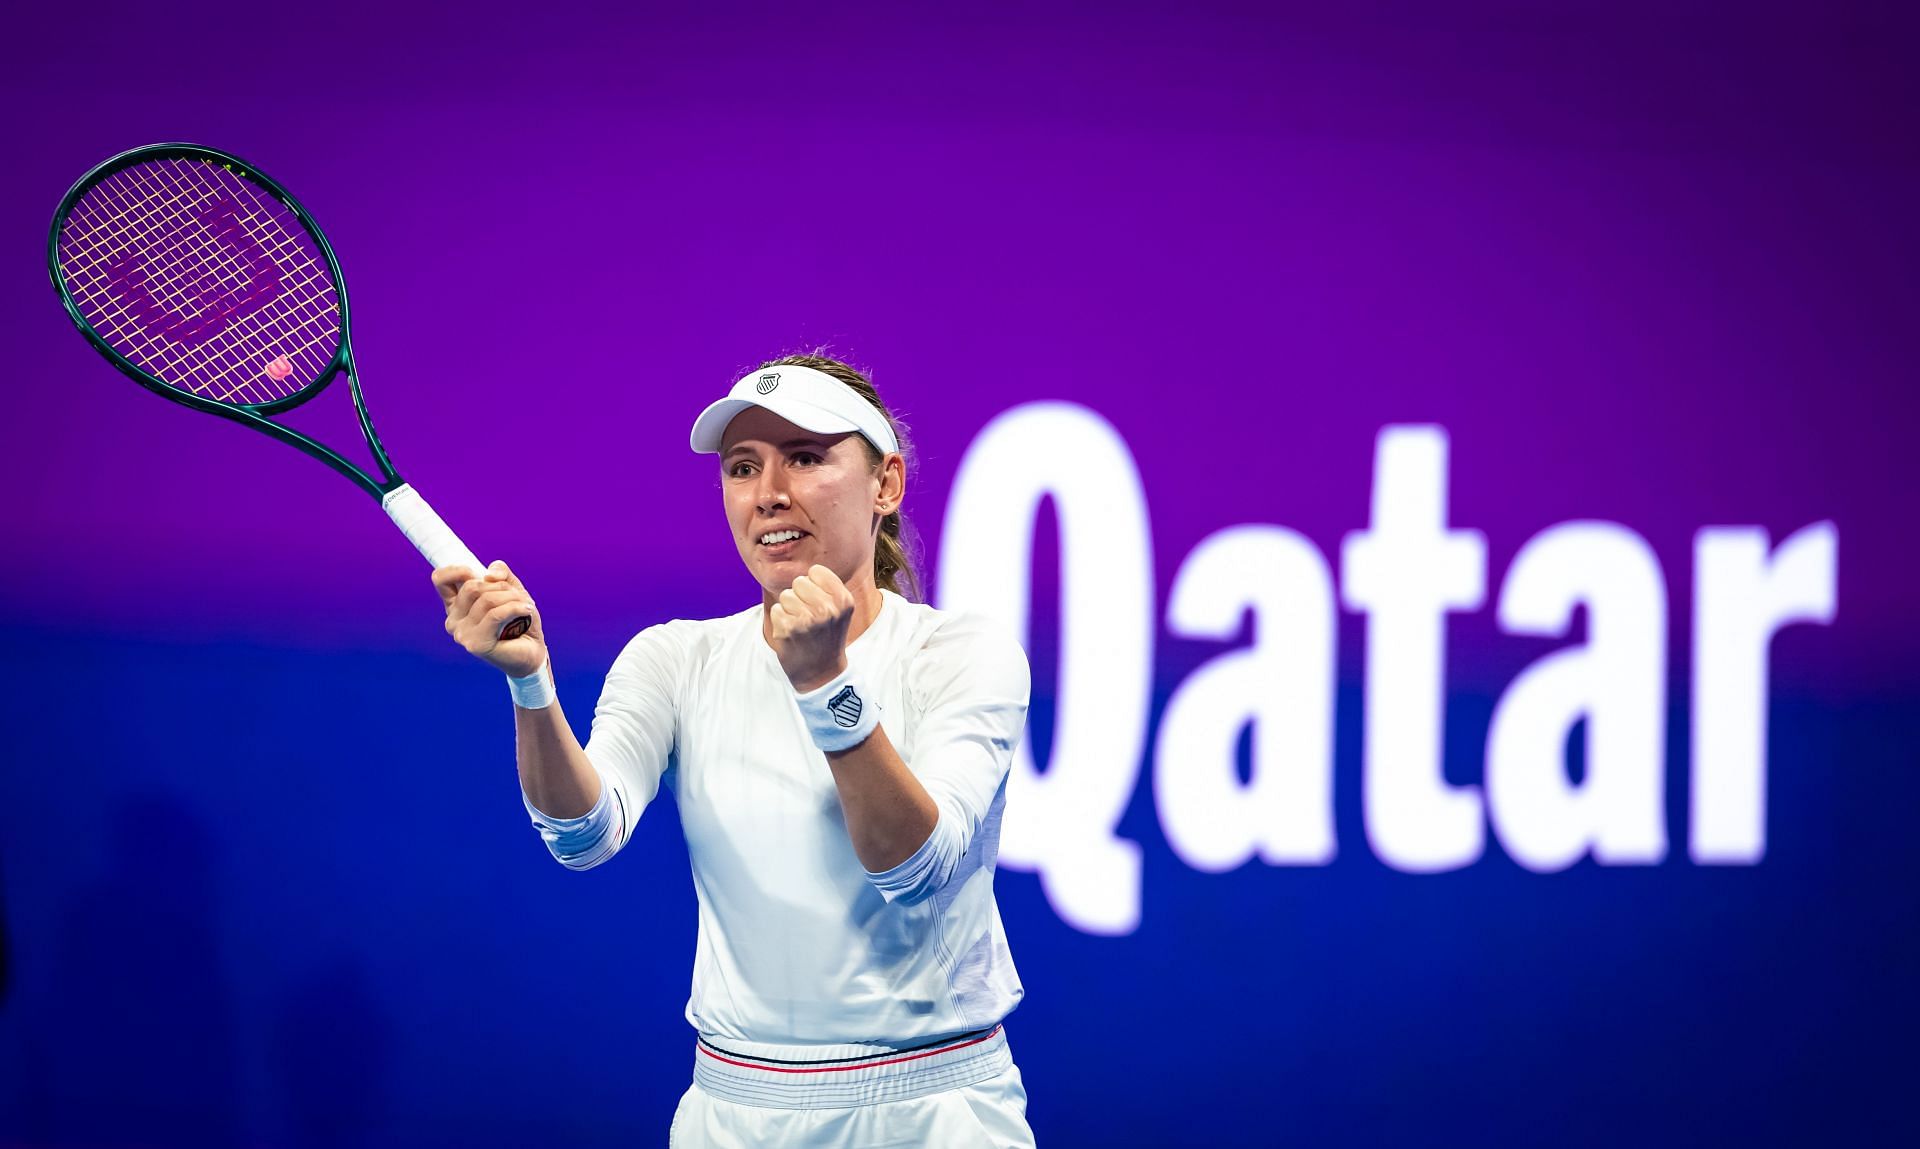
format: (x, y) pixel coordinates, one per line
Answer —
(254, 415)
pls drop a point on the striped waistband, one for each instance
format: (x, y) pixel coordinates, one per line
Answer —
(836, 1076)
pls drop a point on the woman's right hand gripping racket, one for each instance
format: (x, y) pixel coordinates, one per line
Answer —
(208, 284)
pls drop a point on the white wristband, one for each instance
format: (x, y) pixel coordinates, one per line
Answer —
(535, 691)
(839, 715)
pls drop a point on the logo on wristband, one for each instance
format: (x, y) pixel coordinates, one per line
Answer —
(845, 706)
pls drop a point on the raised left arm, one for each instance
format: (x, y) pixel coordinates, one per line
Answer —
(889, 813)
(909, 827)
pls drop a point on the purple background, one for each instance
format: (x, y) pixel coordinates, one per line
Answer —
(1654, 266)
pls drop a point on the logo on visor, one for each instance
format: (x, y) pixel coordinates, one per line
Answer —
(767, 382)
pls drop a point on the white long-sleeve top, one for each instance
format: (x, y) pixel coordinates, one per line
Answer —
(798, 942)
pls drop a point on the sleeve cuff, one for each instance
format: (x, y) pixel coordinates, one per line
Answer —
(912, 880)
(584, 842)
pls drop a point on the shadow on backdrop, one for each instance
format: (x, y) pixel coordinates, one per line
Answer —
(5, 981)
(330, 1050)
(139, 969)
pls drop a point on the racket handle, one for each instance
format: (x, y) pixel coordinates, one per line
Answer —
(432, 537)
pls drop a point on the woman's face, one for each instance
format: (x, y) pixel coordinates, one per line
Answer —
(796, 497)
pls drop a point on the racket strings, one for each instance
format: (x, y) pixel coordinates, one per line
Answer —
(202, 279)
(213, 280)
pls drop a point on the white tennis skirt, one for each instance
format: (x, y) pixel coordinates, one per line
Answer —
(963, 1092)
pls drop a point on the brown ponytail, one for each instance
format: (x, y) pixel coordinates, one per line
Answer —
(893, 551)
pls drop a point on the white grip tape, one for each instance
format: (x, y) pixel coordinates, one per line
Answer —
(429, 534)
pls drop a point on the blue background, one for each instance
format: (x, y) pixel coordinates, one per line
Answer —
(265, 875)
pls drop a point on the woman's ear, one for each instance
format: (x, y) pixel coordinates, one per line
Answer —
(893, 484)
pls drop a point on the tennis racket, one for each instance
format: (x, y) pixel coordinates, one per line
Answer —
(208, 284)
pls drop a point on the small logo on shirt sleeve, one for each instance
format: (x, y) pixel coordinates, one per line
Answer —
(845, 706)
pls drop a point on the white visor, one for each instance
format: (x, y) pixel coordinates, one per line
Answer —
(802, 396)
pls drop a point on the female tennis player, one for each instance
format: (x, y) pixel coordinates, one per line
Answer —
(839, 756)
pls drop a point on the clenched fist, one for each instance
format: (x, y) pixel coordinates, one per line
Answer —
(479, 605)
(807, 626)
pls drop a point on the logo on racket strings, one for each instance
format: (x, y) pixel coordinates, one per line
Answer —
(767, 382)
(189, 279)
(278, 369)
